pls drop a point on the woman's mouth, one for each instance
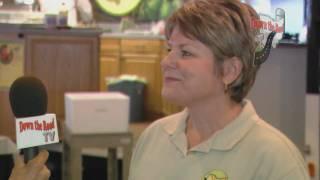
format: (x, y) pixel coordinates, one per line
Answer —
(171, 79)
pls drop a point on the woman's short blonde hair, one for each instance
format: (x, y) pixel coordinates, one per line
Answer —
(224, 27)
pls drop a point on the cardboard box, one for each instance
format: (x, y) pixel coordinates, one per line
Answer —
(98, 112)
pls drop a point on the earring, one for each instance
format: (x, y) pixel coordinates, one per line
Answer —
(226, 87)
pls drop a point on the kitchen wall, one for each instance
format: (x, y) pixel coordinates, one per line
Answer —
(280, 89)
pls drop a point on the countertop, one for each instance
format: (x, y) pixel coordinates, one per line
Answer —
(42, 29)
(132, 35)
(6, 28)
(83, 31)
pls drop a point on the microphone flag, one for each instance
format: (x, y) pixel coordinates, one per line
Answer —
(36, 131)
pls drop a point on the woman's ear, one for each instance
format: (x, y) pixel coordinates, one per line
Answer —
(232, 68)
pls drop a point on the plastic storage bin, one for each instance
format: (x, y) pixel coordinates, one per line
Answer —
(132, 86)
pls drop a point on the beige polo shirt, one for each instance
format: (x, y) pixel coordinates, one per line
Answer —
(246, 149)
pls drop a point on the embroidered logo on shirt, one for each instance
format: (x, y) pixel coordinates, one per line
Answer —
(216, 175)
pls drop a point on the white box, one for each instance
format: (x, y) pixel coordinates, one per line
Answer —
(97, 112)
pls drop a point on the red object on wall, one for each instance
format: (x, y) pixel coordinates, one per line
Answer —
(6, 55)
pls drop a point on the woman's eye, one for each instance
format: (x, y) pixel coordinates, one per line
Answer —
(186, 53)
(168, 49)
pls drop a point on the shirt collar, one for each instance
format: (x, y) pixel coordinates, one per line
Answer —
(235, 131)
(224, 139)
(177, 123)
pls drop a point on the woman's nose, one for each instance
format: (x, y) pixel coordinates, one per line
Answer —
(169, 61)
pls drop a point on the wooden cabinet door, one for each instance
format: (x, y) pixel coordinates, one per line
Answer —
(141, 57)
(64, 64)
(109, 67)
(149, 68)
(109, 60)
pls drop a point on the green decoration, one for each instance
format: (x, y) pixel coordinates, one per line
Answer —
(154, 10)
(118, 7)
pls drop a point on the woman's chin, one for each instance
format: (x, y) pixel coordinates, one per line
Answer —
(172, 97)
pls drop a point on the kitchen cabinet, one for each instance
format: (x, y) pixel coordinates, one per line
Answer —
(63, 59)
(64, 63)
(141, 57)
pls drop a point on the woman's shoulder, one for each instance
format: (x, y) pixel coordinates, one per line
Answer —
(264, 135)
(269, 135)
(273, 144)
(157, 130)
(274, 150)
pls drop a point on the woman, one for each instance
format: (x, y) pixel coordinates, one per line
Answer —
(209, 69)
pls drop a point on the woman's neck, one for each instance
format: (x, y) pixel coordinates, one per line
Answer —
(208, 117)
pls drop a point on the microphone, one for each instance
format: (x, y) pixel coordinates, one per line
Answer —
(28, 100)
